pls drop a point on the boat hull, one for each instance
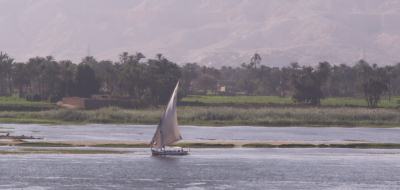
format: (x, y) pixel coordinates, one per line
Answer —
(164, 152)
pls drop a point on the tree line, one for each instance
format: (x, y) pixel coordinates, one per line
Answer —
(305, 84)
(150, 81)
(44, 78)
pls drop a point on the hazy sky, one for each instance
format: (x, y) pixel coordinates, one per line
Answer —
(211, 32)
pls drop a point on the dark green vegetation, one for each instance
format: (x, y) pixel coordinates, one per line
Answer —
(86, 83)
(149, 82)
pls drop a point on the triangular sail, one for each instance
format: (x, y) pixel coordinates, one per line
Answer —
(167, 131)
(156, 141)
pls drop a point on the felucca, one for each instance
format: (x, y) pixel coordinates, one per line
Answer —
(167, 132)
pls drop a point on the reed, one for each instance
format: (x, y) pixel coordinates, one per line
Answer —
(279, 116)
(219, 116)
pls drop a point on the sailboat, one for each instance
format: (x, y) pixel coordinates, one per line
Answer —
(167, 132)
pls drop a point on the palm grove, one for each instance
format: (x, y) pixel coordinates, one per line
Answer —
(149, 81)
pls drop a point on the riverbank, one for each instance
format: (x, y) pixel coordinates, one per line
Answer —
(218, 116)
(23, 147)
(97, 138)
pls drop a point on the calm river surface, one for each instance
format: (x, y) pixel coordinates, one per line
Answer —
(145, 133)
(206, 169)
(235, 168)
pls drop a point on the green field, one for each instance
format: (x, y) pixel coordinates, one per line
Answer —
(19, 104)
(394, 102)
(217, 111)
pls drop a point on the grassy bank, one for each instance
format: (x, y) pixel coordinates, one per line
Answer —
(19, 104)
(248, 101)
(349, 145)
(216, 111)
(219, 116)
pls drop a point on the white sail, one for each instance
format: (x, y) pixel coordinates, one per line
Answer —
(167, 131)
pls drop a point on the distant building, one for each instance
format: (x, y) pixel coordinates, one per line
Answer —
(222, 89)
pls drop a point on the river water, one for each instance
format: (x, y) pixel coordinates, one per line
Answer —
(108, 132)
(206, 169)
(234, 168)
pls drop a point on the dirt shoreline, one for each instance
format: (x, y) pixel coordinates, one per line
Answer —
(205, 144)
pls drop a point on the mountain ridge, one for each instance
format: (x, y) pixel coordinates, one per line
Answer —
(211, 32)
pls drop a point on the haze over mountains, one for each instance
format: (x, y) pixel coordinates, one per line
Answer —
(212, 32)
